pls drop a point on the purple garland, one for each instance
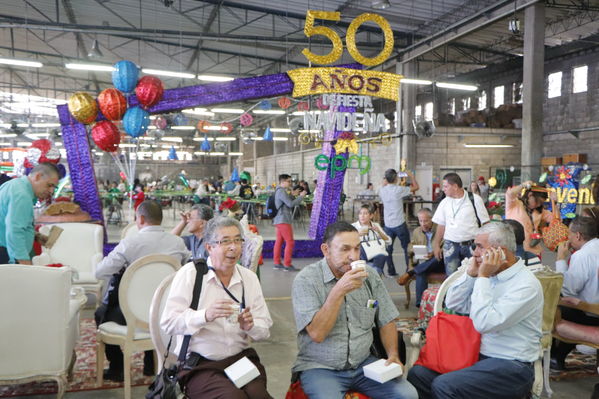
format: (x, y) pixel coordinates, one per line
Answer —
(302, 249)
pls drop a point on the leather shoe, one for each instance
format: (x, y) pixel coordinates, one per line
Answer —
(404, 279)
(557, 365)
(113, 375)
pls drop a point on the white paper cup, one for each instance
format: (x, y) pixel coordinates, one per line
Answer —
(359, 264)
(236, 311)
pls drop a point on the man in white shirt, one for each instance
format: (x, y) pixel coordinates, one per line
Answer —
(505, 302)
(458, 216)
(392, 196)
(580, 279)
(151, 239)
(219, 339)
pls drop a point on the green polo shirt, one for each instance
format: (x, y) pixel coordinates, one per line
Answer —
(16, 218)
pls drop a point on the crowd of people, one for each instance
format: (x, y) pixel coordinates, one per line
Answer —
(340, 309)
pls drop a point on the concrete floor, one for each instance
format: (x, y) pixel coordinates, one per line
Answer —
(279, 351)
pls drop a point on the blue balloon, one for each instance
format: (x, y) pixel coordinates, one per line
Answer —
(125, 75)
(265, 105)
(235, 175)
(136, 121)
(172, 154)
(205, 145)
(267, 134)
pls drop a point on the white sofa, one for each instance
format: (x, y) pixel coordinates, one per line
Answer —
(40, 324)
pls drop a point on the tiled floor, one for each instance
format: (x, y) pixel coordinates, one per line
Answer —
(279, 351)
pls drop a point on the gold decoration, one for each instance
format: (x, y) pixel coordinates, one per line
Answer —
(385, 139)
(492, 181)
(310, 30)
(311, 81)
(83, 107)
(305, 138)
(350, 39)
(343, 145)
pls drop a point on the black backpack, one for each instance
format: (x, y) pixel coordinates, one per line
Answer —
(271, 206)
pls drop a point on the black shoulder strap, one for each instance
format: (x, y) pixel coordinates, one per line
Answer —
(201, 269)
(471, 196)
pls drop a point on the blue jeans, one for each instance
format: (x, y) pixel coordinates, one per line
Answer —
(453, 254)
(403, 234)
(489, 378)
(433, 265)
(378, 262)
(333, 384)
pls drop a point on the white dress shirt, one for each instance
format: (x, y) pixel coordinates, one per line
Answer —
(581, 279)
(218, 339)
(457, 215)
(506, 309)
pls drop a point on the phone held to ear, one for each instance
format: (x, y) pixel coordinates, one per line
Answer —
(503, 257)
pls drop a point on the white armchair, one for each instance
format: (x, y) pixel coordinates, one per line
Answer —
(40, 324)
(80, 246)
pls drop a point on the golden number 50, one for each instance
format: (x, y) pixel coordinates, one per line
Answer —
(335, 53)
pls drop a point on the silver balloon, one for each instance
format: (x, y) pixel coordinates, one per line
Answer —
(33, 155)
(53, 154)
(295, 125)
(159, 133)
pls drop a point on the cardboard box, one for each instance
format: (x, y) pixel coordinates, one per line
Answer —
(242, 371)
(378, 372)
(548, 161)
(576, 158)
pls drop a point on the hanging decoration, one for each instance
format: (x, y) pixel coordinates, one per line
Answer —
(235, 175)
(41, 151)
(136, 121)
(267, 134)
(303, 106)
(265, 105)
(149, 90)
(172, 154)
(205, 144)
(125, 75)
(160, 122)
(246, 119)
(202, 126)
(346, 142)
(180, 120)
(321, 105)
(113, 104)
(83, 107)
(106, 136)
(226, 127)
(284, 102)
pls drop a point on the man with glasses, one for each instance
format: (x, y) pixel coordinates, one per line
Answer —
(151, 239)
(17, 198)
(231, 313)
(195, 220)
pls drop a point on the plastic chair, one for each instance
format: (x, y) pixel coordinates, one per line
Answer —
(129, 230)
(159, 339)
(136, 290)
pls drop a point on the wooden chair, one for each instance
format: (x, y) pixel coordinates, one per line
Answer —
(575, 333)
(137, 287)
(432, 278)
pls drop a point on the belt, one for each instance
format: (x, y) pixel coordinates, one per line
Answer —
(466, 243)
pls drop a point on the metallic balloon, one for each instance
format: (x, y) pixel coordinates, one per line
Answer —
(83, 107)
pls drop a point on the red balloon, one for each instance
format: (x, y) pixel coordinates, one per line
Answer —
(43, 144)
(106, 136)
(284, 102)
(149, 90)
(112, 104)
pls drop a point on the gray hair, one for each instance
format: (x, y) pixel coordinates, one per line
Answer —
(45, 169)
(204, 211)
(500, 235)
(219, 222)
(425, 210)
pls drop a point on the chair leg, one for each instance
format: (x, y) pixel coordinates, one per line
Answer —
(127, 370)
(546, 362)
(61, 380)
(408, 294)
(99, 362)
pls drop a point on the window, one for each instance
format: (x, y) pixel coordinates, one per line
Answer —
(418, 111)
(452, 106)
(466, 103)
(554, 85)
(579, 79)
(517, 92)
(428, 111)
(498, 96)
(482, 100)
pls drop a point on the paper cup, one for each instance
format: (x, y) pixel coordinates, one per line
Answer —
(358, 264)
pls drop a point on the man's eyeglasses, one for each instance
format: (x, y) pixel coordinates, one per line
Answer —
(228, 241)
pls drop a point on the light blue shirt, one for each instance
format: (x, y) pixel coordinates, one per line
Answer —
(581, 279)
(392, 197)
(506, 309)
(16, 218)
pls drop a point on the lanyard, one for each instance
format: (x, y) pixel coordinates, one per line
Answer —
(455, 212)
(242, 303)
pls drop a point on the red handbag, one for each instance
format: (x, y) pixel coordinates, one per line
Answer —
(452, 343)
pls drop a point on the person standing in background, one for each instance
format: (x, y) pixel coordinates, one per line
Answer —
(285, 204)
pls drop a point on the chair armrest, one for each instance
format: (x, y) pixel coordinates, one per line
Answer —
(41, 260)
(575, 303)
(78, 295)
(95, 260)
(413, 345)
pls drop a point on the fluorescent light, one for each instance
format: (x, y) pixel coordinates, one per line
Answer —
(280, 130)
(198, 111)
(90, 67)
(257, 138)
(488, 145)
(145, 138)
(269, 111)
(38, 135)
(125, 145)
(10, 61)
(45, 125)
(415, 82)
(183, 127)
(456, 86)
(22, 124)
(8, 135)
(5, 144)
(168, 73)
(226, 138)
(5, 125)
(216, 154)
(169, 146)
(212, 78)
(308, 131)
(280, 138)
(236, 154)
(173, 139)
(298, 113)
(24, 143)
(145, 146)
(215, 127)
(58, 144)
(228, 110)
(202, 139)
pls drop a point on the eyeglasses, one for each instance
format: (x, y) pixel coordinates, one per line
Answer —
(228, 241)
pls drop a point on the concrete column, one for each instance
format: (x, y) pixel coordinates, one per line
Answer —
(534, 90)
(408, 104)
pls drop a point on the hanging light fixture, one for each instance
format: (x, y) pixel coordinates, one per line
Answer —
(95, 51)
(380, 4)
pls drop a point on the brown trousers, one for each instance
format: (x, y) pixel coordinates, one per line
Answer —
(208, 379)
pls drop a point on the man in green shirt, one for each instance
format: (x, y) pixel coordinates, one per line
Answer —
(17, 198)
